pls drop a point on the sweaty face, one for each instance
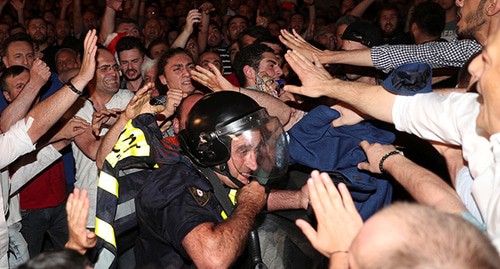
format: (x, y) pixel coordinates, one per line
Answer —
(37, 29)
(177, 73)
(388, 22)
(107, 75)
(485, 70)
(471, 16)
(244, 153)
(131, 61)
(19, 53)
(65, 61)
(15, 85)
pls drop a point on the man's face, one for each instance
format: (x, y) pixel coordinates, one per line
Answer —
(152, 12)
(485, 70)
(177, 74)
(278, 52)
(131, 61)
(130, 29)
(244, 152)
(233, 50)
(214, 36)
(245, 11)
(210, 57)
(388, 21)
(152, 29)
(15, 85)
(327, 40)
(236, 26)
(106, 77)
(89, 20)
(270, 65)
(471, 15)
(19, 53)
(158, 50)
(297, 23)
(37, 29)
(192, 48)
(274, 28)
(62, 29)
(65, 60)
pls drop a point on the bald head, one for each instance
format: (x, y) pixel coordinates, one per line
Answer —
(413, 236)
(183, 111)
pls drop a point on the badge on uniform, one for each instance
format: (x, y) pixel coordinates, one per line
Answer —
(199, 196)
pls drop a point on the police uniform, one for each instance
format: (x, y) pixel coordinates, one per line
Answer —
(175, 199)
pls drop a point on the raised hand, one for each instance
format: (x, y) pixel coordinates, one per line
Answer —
(77, 209)
(338, 220)
(66, 3)
(194, 16)
(117, 5)
(87, 69)
(212, 79)
(297, 43)
(39, 73)
(206, 8)
(139, 104)
(18, 5)
(174, 98)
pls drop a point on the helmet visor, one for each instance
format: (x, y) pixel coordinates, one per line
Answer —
(260, 151)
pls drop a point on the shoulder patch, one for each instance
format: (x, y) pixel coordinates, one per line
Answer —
(201, 197)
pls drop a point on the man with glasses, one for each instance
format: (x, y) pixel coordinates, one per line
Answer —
(105, 98)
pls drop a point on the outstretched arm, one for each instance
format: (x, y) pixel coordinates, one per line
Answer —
(372, 100)
(214, 80)
(108, 20)
(426, 187)
(193, 17)
(49, 111)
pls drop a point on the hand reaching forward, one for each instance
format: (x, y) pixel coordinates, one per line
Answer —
(87, 69)
(139, 104)
(212, 79)
(338, 220)
(77, 209)
(74, 127)
(297, 43)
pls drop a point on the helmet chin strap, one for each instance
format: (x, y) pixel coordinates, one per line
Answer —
(224, 170)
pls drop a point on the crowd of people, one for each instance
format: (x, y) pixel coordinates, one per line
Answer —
(245, 133)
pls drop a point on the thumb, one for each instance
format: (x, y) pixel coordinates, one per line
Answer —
(293, 89)
(364, 166)
(364, 145)
(307, 229)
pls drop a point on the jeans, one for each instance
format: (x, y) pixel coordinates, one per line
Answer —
(18, 248)
(50, 220)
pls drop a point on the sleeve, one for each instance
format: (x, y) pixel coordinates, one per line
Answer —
(491, 214)
(15, 142)
(431, 116)
(24, 174)
(436, 54)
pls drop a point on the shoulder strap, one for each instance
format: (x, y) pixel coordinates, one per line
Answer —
(219, 190)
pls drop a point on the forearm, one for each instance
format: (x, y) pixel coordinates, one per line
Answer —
(286, 199)
(361, 57)
(360, 8)
(109, 140)
(181, 40)
(372, 100)
(275, 107)
(107, 24)
(218, 245)
(134, 11)
(19, 107)
(64, 10)
(77, 18)
(49, 111)
(203, 33)
(424, 186)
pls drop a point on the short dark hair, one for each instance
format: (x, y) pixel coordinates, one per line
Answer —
(235, 17)
(430, 18)
(128, 43)
(127, 20)
(17, 38)
(62, 259)
(255, 32)
(10, 72)
(250, 55)
(163, 62)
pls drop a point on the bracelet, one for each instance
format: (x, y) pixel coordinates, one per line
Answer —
(387, 155)
(73, 88)
(339, 251)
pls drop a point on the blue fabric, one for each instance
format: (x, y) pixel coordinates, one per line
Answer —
(315, 143)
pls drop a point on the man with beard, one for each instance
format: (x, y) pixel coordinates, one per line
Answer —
(105, 97)
(131, 56)
(37, 29)
(390, 23)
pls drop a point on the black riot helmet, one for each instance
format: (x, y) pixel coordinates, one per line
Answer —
(228, 124)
